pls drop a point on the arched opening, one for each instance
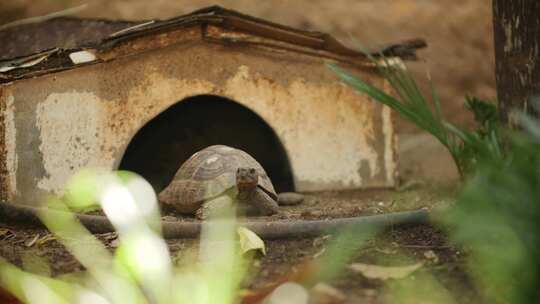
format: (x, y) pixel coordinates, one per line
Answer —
(163, 144)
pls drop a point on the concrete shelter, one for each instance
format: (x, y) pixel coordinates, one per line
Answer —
(147, 96)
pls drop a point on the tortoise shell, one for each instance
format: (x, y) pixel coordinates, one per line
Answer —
(207, 174)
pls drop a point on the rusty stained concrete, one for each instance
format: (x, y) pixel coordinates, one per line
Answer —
(10, 134)
(59, 123)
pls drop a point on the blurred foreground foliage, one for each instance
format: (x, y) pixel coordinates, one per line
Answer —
(496, 217)
(141, 268)
(467, 147)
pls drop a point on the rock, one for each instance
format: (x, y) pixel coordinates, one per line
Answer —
(290, 198)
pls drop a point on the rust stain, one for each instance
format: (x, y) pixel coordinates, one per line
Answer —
(146, 43)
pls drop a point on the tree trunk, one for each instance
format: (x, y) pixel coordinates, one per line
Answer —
(516, 26)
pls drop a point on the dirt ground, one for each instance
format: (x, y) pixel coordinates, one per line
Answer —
(392, 247)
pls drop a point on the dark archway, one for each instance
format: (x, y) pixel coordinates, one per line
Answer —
(164, 143)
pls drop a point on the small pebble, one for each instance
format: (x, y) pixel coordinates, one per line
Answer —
(290, 198)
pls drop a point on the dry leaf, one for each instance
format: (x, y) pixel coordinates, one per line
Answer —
(250, 241)
(383, 272)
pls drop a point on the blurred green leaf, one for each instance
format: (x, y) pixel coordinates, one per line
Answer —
(497, 218)
(33, 263)
(465, 146)
(33, 288)
(250, 241)
(339, 253)
(82, 190)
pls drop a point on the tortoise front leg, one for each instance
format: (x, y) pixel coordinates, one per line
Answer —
(218, 206)
(263, 202)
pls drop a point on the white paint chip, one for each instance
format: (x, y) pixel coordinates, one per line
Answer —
(82, 57)
(68, 146)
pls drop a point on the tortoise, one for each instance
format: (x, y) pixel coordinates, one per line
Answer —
(218, 176)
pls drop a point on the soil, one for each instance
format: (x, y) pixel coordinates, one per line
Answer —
(396, 246)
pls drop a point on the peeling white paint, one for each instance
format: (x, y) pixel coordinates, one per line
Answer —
(70, 126)
(11, 144)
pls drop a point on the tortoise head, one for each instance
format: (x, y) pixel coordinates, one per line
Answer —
(247, 179)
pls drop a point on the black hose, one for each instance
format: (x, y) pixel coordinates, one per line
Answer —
(264, 229)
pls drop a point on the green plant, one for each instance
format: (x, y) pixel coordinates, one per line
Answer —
(141, 269)
(497, 215)
(465, 146)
